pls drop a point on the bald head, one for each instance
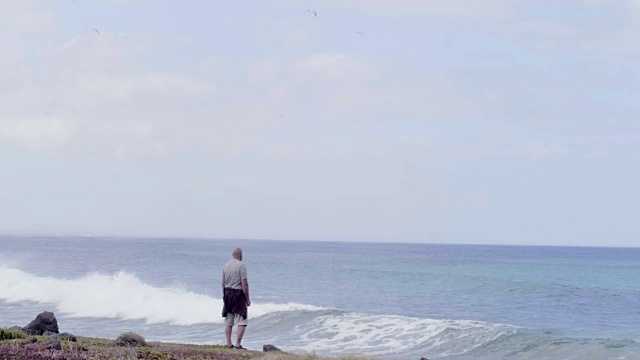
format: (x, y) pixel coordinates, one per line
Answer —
(237, 254)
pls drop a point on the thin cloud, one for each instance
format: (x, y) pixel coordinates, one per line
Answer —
(466, 8)
(22, 18)
(37, 133)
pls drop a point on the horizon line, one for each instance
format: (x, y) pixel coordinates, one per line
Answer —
(210, 238)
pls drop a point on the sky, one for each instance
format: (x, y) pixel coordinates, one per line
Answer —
(461, 121)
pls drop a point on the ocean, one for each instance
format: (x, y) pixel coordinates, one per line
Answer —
(389, 301)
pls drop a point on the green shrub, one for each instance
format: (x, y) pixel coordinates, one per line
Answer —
(10, 334)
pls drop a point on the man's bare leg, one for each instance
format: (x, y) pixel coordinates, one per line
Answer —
(240, 333)
(227, 333)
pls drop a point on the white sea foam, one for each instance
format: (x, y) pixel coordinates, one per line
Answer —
(389, 334)
(122, 296)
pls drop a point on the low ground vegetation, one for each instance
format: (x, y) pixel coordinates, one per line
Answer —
(15, 345)
(11, 334)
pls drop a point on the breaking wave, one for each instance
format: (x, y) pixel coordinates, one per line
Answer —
(122, 296)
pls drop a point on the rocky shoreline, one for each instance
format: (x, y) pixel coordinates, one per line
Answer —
(41, 339)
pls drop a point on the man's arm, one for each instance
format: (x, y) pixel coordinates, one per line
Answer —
(223, 284)
(245, 289)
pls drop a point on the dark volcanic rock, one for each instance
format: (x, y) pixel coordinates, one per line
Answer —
(51, 334)
(130, 339)
(269, 347)
(67, 336)
(45, 321)
(54, 344)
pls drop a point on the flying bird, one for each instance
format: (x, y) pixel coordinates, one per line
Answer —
(312, 12)
(96, 30)
(359, 33)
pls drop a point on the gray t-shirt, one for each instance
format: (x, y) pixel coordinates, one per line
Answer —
(234, 271)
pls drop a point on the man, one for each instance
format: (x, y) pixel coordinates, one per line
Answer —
(235, 295)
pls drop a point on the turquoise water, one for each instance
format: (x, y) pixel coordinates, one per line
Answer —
(387, 300)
